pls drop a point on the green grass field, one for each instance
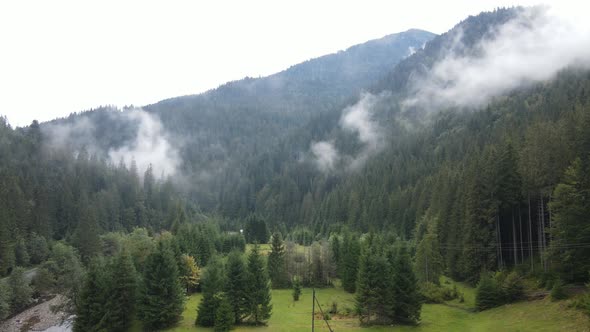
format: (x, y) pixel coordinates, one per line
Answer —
(542, 315)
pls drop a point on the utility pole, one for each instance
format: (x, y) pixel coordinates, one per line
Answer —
(313, 310)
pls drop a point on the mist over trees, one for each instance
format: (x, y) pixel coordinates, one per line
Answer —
(377, 192)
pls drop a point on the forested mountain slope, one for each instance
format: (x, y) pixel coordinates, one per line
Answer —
(495, 178)
(216, 131)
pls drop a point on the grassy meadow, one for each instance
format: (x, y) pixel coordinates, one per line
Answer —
(541, 315)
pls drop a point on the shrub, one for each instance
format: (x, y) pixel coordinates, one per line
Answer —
(432, 293)
(334, 308)
(488, 294)
(296, 289)
(512, 287)
(558, 291)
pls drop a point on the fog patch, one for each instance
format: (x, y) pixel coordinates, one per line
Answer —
(357, 119)
(531, 48)
(150, 146)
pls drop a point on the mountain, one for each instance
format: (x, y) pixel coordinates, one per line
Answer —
(217, 131)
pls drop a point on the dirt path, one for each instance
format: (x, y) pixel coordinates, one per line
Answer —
(37, 318)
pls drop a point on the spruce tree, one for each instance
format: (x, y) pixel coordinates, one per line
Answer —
(349, 262)
(236, 287)
(374, 296)
(224, 316)
(122, 294)
(405, 289)
(91, 309)
(161, 299)
(259, 297)
(276, 262)
(212, 283)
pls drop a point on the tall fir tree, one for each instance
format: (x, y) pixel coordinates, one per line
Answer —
(91, 308)
(349, 262)
(570, 210)
(224, 316)
(161, 299)
(428, 260)
(374, 298)
(122, 294)
(405, 288)
(259, 297)
(236, 287)
(213, 282)
(276, 262)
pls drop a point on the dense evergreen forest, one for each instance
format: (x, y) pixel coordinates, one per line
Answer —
(415, 192)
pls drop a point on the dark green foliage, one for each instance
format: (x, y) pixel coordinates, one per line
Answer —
(374, 291)
(428, 260)
(570, 212)
(489, 293)
(212, 283)
(558, 291)
(91, 309)
(161, 298)
(4, 301)
(65, 264)
(236, 287)
(433, 293)
(259, 296)
(405, 288)
(122, 294)
(348, 266)
(20, 291)
(38, 249)
(256, 230)
(512, 287)
(276, 262)
(224, 316)
(21, 253)
(43, 282)
(296, 289)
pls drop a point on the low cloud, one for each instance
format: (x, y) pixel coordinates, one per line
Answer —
(150, 146)
(325, 155)
(359, 120)
(530, 48)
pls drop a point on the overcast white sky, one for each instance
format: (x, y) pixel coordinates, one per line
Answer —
(59, 57)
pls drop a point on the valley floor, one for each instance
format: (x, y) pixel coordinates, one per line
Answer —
(540, 315)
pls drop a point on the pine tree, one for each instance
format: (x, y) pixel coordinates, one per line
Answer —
(122, 294)
(161, 299)
(405, 289)
(276, 262)
(224, 316)
(259, 297)
(236, 287)
(91, 309)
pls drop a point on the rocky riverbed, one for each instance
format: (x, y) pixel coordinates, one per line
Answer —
(39, 318)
